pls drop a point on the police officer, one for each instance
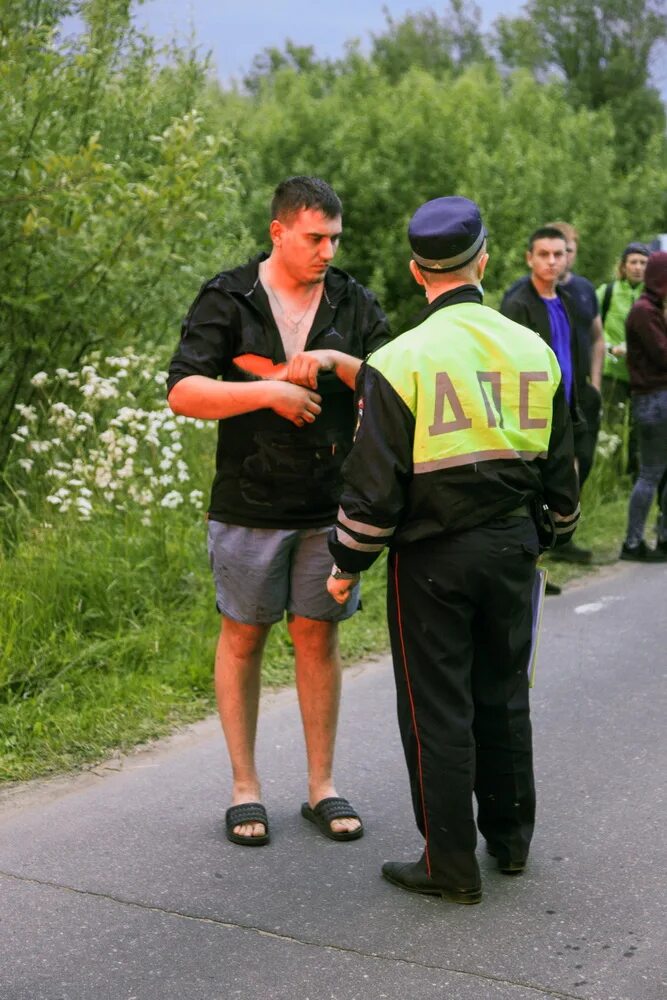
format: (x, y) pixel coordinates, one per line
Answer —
(463, 421)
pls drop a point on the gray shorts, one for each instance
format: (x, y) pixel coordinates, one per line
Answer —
(260, 573)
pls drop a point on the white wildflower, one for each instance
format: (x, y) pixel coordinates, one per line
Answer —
(103, 477)
(39, 379)
(39, 447)
(84, 507)
(171, 500)
(26, 464)
(28, 413)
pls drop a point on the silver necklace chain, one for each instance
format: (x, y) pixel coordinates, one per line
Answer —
(293, 321)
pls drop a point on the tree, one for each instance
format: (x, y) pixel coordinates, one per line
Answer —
(265, 65)
(440, 45)
(115, 197)
(525, 155)
(603, 53)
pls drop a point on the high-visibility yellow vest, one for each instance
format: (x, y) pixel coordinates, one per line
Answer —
(479, 386)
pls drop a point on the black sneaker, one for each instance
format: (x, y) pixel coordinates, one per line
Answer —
(571, 553)
(552, 589)
(642, 553)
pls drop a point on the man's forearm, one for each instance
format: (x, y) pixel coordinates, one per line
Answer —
(346, 368)
(210, 399)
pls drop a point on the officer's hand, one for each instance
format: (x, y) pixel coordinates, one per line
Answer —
(303, 368)
(294, 403)
(340, 590)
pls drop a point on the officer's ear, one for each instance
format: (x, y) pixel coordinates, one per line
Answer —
(416, 274)
(481, 264)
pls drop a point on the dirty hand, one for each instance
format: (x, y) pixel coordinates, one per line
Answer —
(295, 403)
(303, 368)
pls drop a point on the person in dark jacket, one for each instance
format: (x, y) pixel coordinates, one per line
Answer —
(463, 422)
(542, 304)
(271, 350)
(646, 339)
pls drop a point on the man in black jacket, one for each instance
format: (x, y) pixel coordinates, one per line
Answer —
(271, 350)
(542, 305)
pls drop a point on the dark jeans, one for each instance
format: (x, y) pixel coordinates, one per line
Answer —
(460, 623)
(650, 413)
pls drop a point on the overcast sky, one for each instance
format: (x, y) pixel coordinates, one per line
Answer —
(235, 31)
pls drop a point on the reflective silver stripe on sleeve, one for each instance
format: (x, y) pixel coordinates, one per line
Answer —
(351, 543)
(564, 524)
(363, 529)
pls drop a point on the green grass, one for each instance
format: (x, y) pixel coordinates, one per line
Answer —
(109, 635)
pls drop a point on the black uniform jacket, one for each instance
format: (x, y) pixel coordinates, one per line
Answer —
(269, 473)
(383, 502)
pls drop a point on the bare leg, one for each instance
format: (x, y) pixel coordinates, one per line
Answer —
(238, 661)
(318, 678)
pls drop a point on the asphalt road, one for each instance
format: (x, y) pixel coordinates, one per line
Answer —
(120, 885)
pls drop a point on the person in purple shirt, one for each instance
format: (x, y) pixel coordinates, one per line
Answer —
(544, 306)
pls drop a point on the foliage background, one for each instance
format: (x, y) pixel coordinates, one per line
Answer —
(128, 175)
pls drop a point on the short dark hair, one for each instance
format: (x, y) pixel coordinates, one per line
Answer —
(545, 233)
(300, 192)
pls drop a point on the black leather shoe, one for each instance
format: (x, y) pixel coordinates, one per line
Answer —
(505, 864)
(413, 877)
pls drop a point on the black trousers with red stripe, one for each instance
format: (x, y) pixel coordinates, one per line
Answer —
(460, 622)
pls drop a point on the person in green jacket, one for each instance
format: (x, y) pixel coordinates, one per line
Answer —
(616, 298)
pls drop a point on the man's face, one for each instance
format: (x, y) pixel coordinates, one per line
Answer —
(634, 267)
(570, 254)
(547, 259)
(307, 243)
